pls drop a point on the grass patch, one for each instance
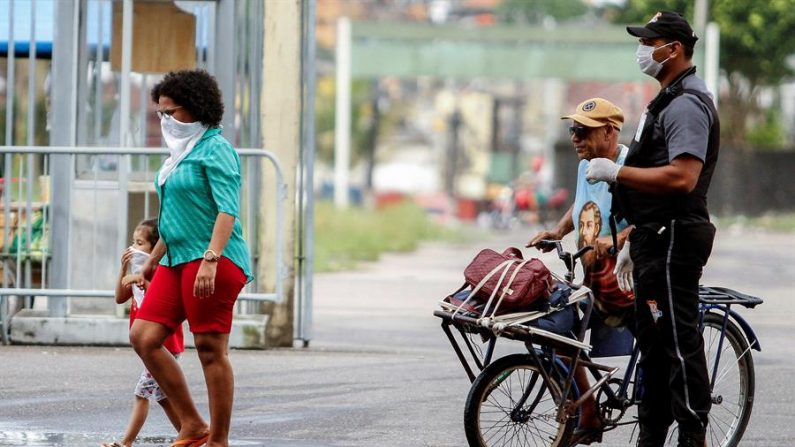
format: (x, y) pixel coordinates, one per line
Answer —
(344, 238)
(778, 222)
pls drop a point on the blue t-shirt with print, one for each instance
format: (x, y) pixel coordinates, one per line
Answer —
(591, 216)
(591, 211)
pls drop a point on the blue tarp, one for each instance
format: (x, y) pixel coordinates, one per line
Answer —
(21, 49)
(44, 50)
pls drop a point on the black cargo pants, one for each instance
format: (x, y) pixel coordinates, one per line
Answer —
(668, 259)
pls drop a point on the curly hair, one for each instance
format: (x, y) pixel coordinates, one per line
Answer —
(196, 91)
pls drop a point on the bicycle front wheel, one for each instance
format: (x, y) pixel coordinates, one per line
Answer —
(510, 403)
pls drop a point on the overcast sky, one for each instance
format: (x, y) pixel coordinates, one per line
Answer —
(22, 12)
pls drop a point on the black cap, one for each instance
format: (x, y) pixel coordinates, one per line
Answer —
(667, 25)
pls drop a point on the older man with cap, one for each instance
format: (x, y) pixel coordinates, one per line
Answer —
(594, 132)
(662, 190)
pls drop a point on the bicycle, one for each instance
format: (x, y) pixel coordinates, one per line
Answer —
(532, 399)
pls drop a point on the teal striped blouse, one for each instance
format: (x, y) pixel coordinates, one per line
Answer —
(205, 183)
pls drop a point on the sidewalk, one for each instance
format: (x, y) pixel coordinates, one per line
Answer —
(378, 372)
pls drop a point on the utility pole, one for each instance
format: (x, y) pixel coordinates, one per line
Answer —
(452, 153)
(372, 134)
(700, 16)
(710, 33)
(342, 114)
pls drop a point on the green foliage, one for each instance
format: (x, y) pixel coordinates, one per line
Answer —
(535, 11)
(777, 222)
(325, 112)
(768, 134)
(640, 11)
(756, 39)
(344, 238)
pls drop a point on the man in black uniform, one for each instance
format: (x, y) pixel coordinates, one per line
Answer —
(662, 190)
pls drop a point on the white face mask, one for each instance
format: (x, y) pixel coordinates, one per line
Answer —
(176, 133)
(645, 58)
(180, 138)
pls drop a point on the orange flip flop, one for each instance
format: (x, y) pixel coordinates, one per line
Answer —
(196, 442)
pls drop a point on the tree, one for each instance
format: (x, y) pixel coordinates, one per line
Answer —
(756, 41)
(361, 93)
(535, 11)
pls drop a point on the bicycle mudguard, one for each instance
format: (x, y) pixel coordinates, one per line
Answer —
(753, 340)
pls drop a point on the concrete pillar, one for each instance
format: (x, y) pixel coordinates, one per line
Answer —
(63, 95)
(281, 127)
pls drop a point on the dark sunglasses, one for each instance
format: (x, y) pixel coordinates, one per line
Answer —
(580, 132)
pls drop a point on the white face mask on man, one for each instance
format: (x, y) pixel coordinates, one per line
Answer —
(645, 58)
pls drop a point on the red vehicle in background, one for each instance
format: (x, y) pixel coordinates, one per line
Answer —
(522, 204)
(528, 200)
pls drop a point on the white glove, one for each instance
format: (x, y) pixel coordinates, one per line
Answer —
(601, 169)
(623, 270)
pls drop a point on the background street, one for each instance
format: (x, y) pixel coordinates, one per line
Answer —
(379, 371)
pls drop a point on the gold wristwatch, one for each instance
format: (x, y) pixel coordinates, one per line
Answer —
(210, 256)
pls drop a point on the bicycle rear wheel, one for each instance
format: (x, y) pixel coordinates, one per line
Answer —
(733, 393)
(510, 403)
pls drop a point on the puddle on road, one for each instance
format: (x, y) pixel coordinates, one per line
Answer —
(30, 438)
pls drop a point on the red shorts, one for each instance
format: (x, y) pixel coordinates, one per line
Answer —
(170, 301)
(175, 343)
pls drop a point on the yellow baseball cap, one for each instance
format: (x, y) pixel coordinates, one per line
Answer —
(597, 112)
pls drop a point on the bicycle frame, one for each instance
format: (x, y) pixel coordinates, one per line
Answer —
(621, 395)
(557, 357)
(713, 300)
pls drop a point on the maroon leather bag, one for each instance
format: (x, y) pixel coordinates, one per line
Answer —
(518, 282)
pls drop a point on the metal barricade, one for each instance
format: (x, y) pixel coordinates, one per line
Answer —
(99, 174)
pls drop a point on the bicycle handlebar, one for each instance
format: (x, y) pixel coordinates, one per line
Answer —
(546, 244)
(568, 259)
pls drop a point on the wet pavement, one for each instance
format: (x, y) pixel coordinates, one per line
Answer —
(23, 438)
(378, 372)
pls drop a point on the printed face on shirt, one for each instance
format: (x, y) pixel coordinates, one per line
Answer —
(590, 224)
(140, 240)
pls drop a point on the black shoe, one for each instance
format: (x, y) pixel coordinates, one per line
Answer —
(652, 436)
(585, 436)
(687, 439)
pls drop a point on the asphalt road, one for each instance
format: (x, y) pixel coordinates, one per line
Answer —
(379, 371)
